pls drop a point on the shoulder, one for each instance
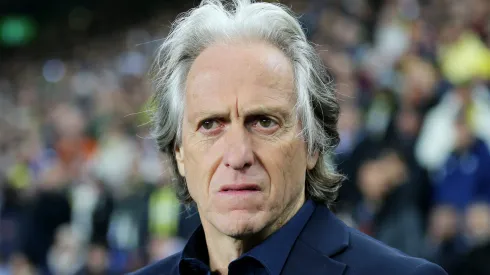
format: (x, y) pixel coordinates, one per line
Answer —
(346, 247)
(428, 268)
(167, 266)
(367, 255)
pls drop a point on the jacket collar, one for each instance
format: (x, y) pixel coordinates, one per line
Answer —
(195, 254)
(323, 237)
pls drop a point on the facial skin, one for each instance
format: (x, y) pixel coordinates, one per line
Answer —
(239, 127)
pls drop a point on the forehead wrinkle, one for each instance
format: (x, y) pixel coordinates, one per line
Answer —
(270, 74)
(290, 97)
(236, 107)
(267, 102)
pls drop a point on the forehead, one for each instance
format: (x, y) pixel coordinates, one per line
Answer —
(253, 72)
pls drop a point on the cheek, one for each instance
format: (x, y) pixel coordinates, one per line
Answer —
(193, 168)
(201, 160)
(295, 159)
(286, 165)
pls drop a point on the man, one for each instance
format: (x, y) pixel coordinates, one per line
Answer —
(247, 112)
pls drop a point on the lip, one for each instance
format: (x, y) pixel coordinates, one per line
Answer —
(239, 188)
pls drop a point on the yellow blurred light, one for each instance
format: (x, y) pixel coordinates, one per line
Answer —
(466, 59)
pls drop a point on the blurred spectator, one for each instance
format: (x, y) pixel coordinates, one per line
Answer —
(465, 177)
(49, 210)
(160, 248)
(101, 215)
(129, 222)
(463, 55)
(387, 210)
(475, 262)
(114, 160)
(19, 264)
(97, 261)
(164, 212)
(66, 255)
(438, 135)
(461, 197)
(10, 218)
(446, 245)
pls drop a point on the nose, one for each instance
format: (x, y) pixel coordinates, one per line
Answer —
(238, 151)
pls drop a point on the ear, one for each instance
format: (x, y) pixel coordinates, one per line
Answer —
(179, 157)
(312, 160)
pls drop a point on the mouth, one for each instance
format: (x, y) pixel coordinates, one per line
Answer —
(239, 188)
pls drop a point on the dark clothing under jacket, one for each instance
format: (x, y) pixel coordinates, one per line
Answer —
(313, 242)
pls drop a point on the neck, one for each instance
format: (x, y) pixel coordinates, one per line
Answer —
(223, 249)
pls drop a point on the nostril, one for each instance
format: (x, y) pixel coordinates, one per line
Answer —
(238, 166)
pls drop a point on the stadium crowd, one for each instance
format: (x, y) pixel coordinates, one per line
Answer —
(84, 189)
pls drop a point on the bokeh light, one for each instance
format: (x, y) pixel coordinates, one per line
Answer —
(53, 70)
(16, 30)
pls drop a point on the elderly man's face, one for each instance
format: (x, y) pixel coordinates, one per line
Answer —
(241, 154)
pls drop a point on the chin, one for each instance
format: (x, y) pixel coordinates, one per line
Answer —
(240, 224)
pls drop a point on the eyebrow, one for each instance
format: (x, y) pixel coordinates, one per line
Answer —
(200, 115)
(254, 111)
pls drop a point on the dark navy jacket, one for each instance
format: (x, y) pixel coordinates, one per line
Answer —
(326, 246)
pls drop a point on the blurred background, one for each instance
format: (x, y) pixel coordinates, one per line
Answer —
(84, 190)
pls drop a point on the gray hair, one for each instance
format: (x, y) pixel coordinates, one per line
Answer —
(214, 21)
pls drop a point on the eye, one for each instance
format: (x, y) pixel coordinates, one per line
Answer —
(264, 124)
(210, 125)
